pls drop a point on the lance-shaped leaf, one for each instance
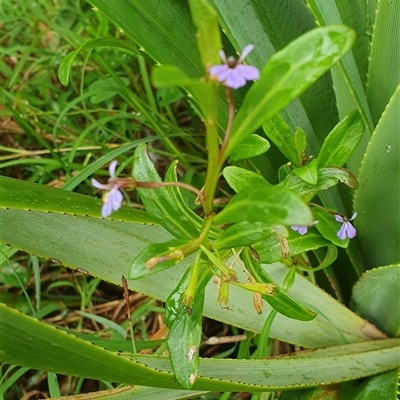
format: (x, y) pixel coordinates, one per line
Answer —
(270, 250)
(104, 248)
(308, 173)
(252, 146)
(376, 297)
(159, 203)
(238, 178)
(180, 204)
(379, 387)
(279, 300)
(66, 64)
(278, 131)
(378, 198)
(327, 177)
(242, 234)
(342, 141)
(54, 350)
(208, 34)
(185, 324)
(268, 204)
(288, 74)
(300, 144)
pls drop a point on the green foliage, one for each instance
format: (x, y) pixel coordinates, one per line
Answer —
(287, 74)
(327, 100)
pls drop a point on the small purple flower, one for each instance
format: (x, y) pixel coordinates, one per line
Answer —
(347, 229)
(233, 72)
(112, 200)
(302, 229)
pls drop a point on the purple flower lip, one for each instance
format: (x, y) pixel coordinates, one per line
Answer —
(302, 230)
(347, 230)
(232, 72)
(112, 200)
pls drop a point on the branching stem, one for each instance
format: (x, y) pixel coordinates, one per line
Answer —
(157, 185)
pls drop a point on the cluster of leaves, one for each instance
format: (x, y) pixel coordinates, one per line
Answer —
(312, 137)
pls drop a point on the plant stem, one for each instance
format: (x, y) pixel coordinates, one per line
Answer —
(157, 185)
(231, 116)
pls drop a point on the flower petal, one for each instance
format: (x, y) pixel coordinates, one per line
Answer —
(339, 218)
(106, 210)
(115, 198)
(303, 230)
(220, 71)
(112, 167)
(351, 231)
(248, 72)
(342, 232)
(353, 216)
(234, 80)
(222, 56)
(245, 52)
(99, 185)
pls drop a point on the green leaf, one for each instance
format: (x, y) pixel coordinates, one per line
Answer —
(347, 80)
(384, 58)
(242, 234)
(327, 177)
(379, 387)
(167, 76)
(270, 250)
(377, 201)
(300, 144)
(157, 257)
(106, 89)
(105, 249)
(186, 328)
(252, 146)
(308, 173)
(278, 131)
(342, 141)
(272, 29)
(66, 64)
(208, 34)
(135, 392)
(329, 227)
(238, 178)
(279, 300)
(13, 274)
(160, 203)
(167, 96)
(268, 204)
(288, 73)
(318, 393)
(180, 204)
(29, 196)
(376, 297)
(54, 350)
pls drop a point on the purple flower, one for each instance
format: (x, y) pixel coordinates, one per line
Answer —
(233, 72)
(347, 229)
(302, 229)
(113, 198)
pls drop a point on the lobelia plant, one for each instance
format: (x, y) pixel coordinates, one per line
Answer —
(263, 262)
